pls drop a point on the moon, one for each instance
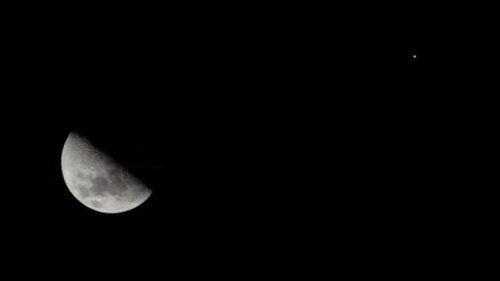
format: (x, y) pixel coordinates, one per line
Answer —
(97, 180)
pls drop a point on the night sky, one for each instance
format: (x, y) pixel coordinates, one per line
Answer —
(269, 140)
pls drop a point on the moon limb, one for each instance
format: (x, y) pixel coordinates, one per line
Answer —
(97, 181)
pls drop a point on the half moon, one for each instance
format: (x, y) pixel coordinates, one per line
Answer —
(98, 181)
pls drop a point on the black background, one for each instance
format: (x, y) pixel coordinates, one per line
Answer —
(276, 140)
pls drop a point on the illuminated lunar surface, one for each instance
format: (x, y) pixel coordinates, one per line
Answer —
(98, 181)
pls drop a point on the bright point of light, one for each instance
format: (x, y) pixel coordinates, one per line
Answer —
(414, 56)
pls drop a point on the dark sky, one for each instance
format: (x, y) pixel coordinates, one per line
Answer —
(234, 120)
